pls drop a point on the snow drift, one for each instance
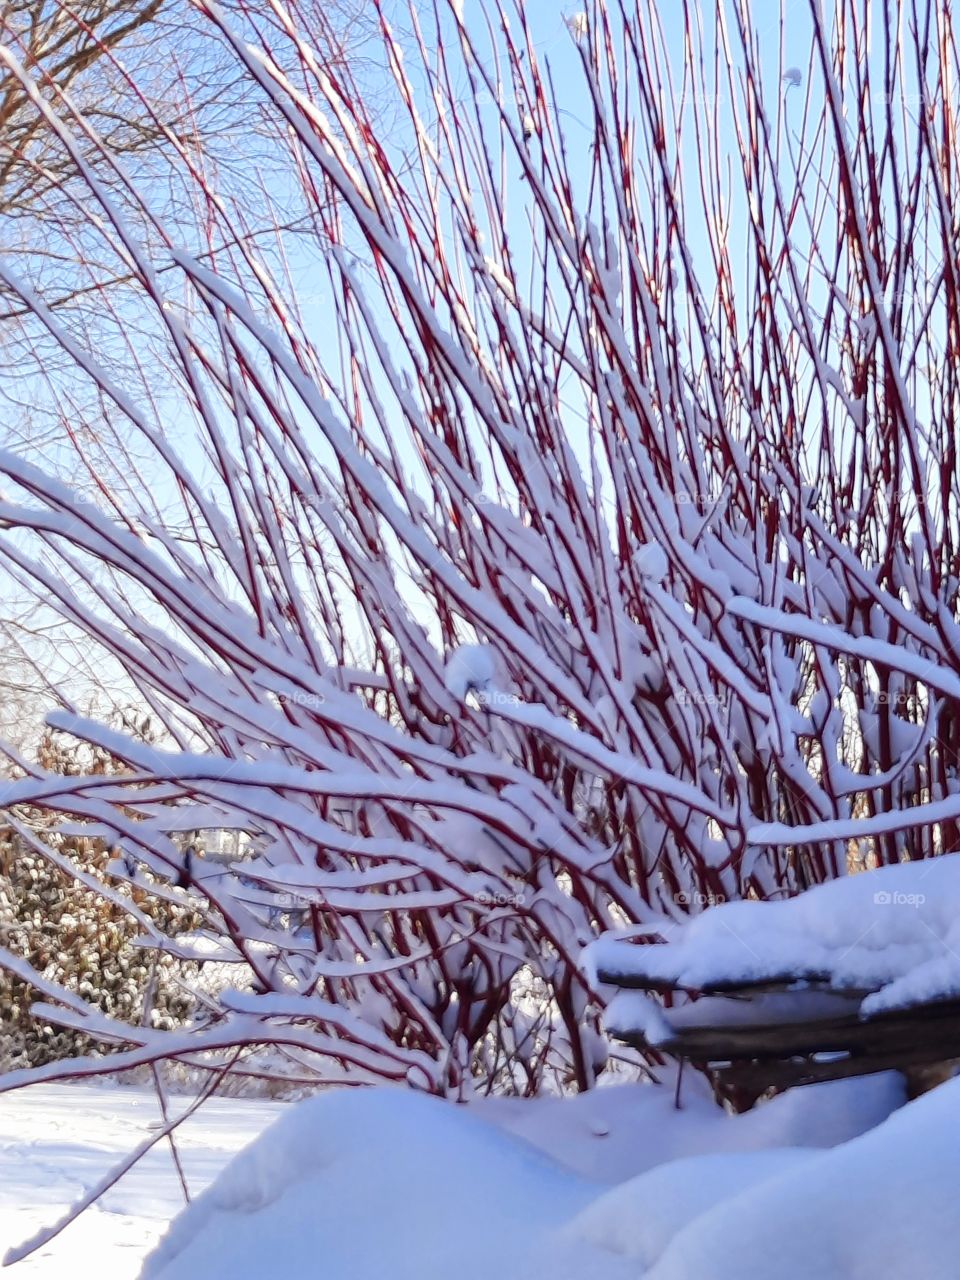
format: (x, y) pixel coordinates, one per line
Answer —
(358, 1184)
(881, 1207)
(355, 1185)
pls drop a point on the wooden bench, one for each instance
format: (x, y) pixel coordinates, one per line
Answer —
(757, 1038)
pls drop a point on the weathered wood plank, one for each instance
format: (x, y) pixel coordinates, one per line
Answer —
(749, 1059)
(758, 1077)
(656, 986)
(763, 1041)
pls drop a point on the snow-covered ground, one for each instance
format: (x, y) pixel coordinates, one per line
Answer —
(56, 1141)
(363, 1184)
(373, 1181)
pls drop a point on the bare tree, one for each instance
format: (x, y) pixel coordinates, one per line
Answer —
(64, 42)
(145, 81)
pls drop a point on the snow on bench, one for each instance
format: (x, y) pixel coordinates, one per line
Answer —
(854, 976)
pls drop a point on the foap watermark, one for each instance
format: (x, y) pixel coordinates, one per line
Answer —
(321, 498)
(695, 898)
(699, 500)
(912, 99)
(497, 698)
(701, 698)
(81, 500)
(699, 98)
(499, 898)
(893, 698)
(289, 902)
(896, 898)
(302, 698)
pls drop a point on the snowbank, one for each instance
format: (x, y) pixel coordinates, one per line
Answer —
(614, 1133)
(639, 1218)
(881, 1207)
(359, 1184)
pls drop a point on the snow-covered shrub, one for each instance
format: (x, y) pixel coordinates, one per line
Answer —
(534, 519)
(57, 920)
(84, 944)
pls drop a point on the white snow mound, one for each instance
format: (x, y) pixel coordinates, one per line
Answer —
(639, 1218)
(359, 1184)
(882, 1207)
(893, 933)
